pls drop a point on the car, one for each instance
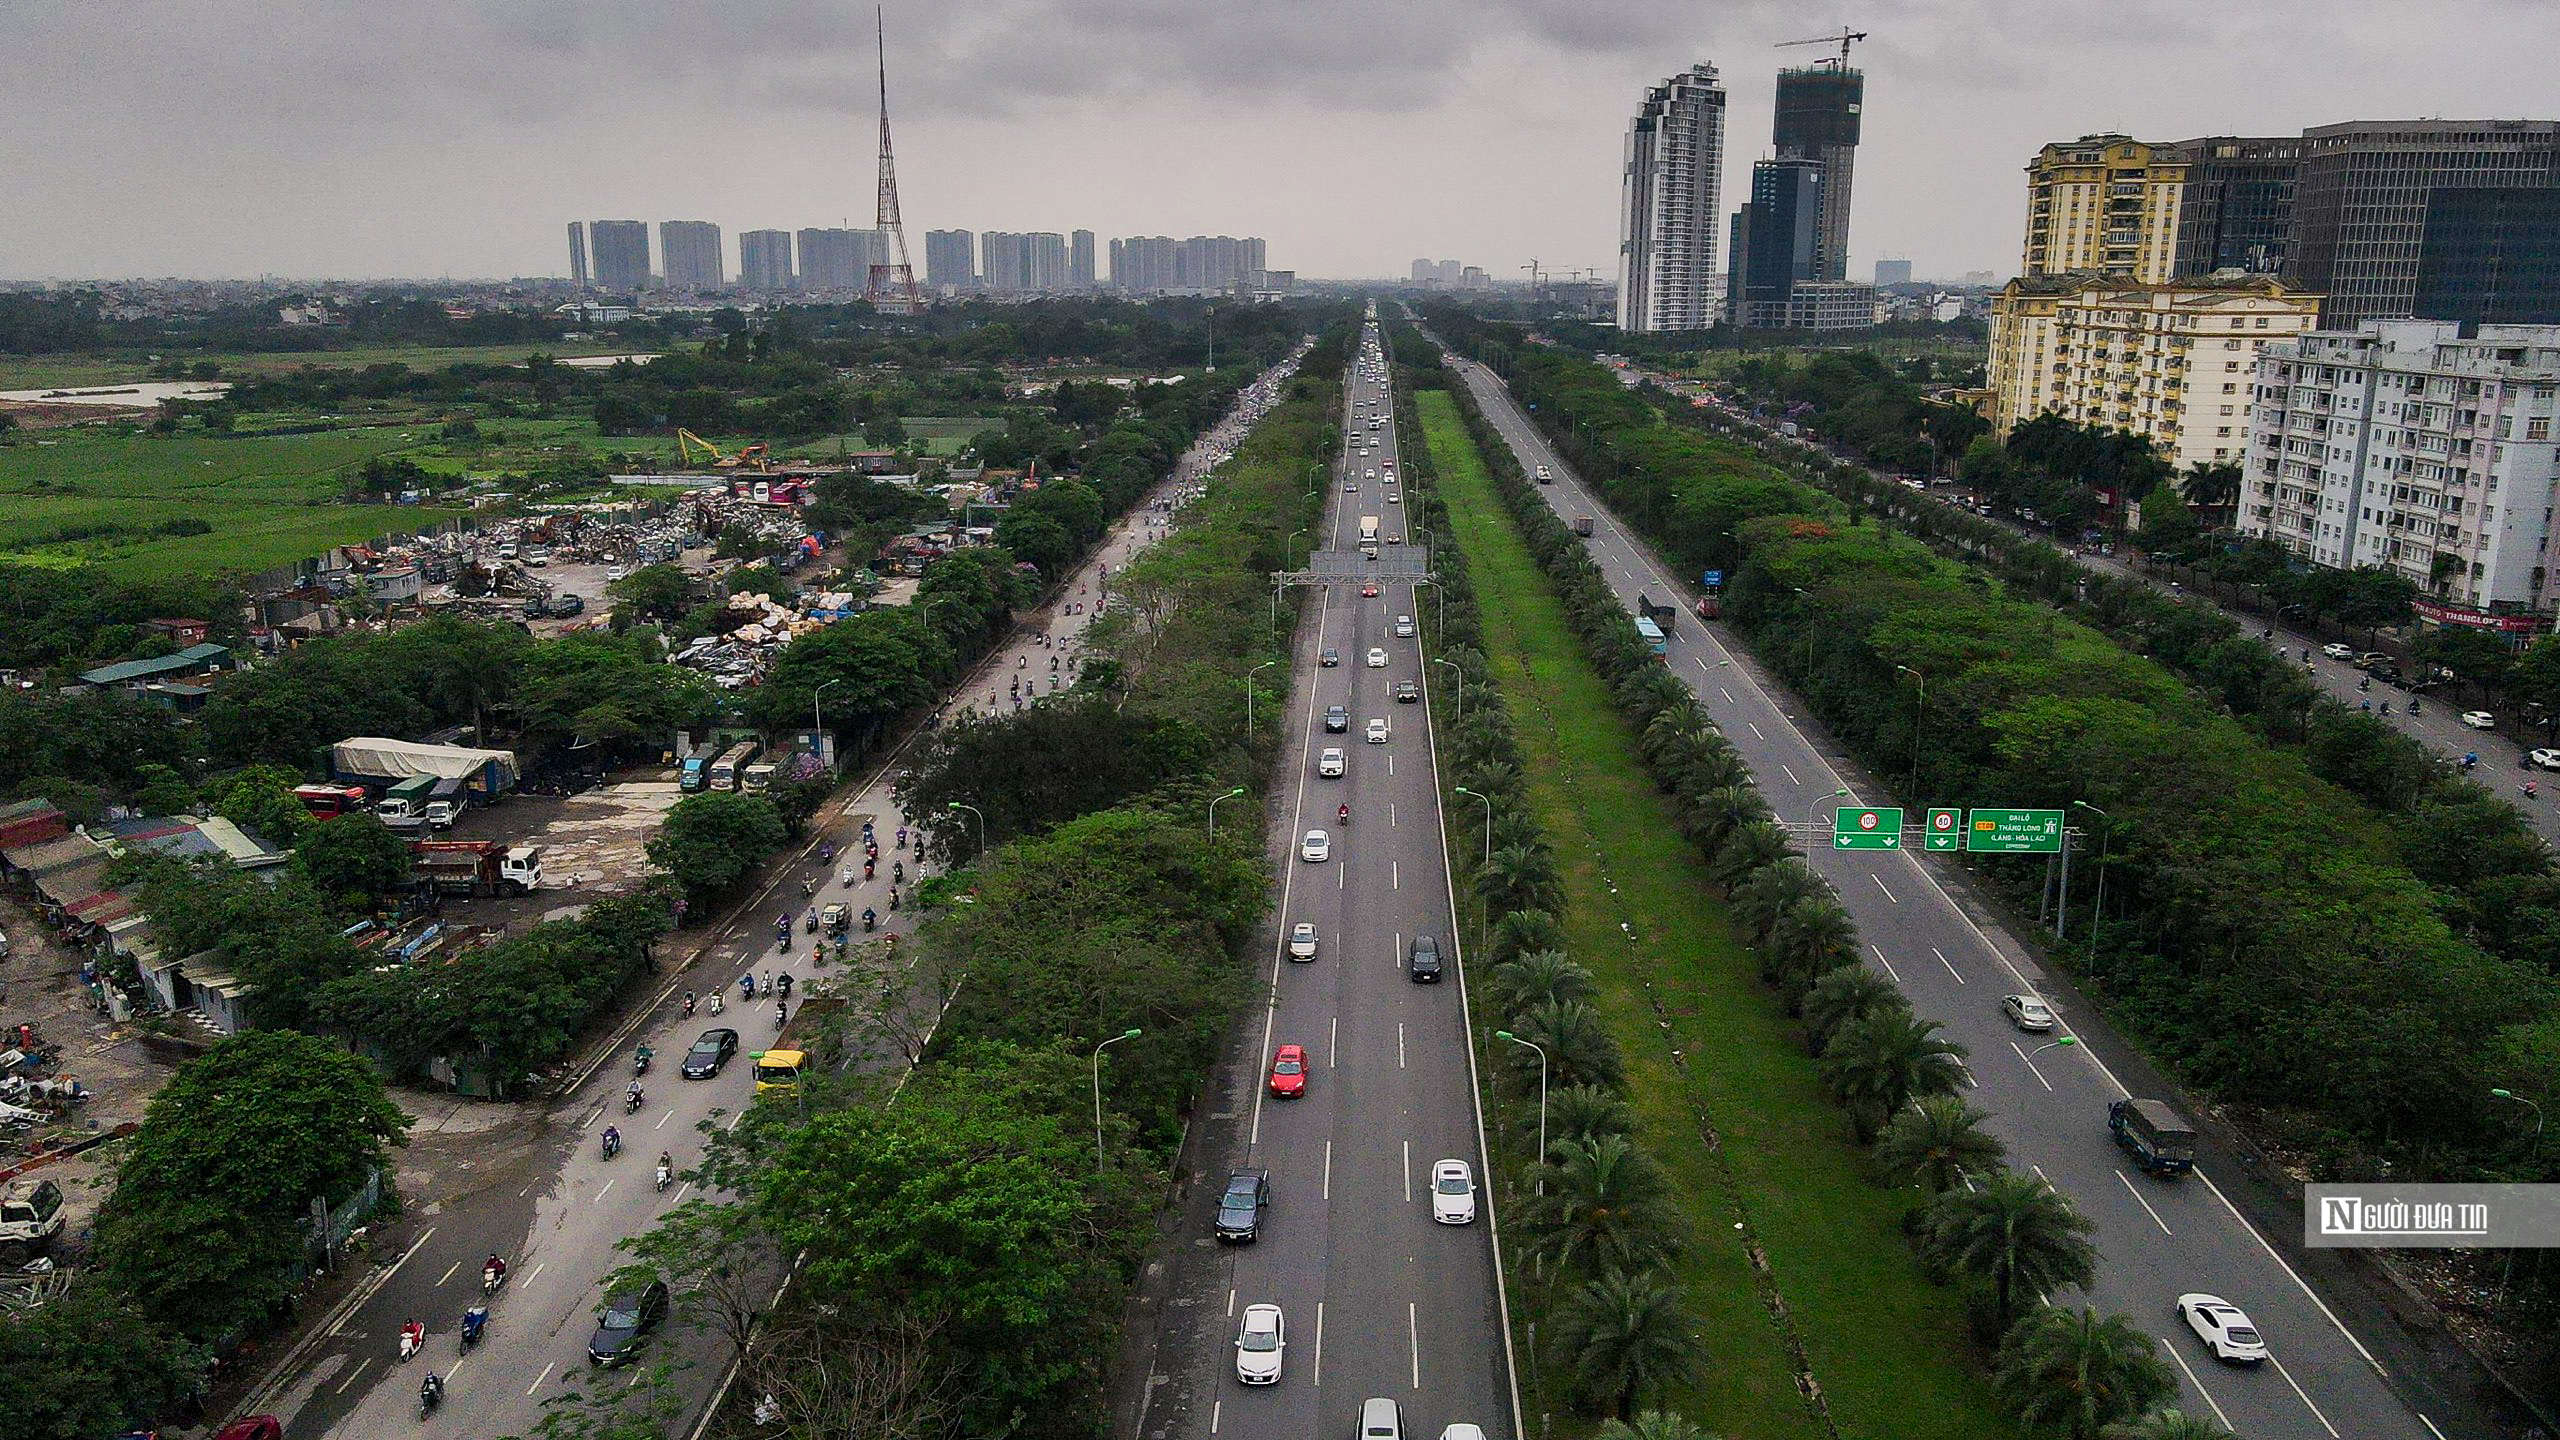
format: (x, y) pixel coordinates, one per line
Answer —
(1331, 763)
(2371, 659)
(1396, 538)
(1379, 732)
(1380, 1420)
(1337, 720)
(1545, 476)
(1260, 1340)
(2546, 759)
(1316, 848)
(1461, 1430)
(1377, 658)
(616, 572)
(1368, 589)
(1422, 962)
(1404, 627)
(2027, 1012)
(1453, 1192)
(1350, 487)
(1240, 1206)
(711, 1050)
(1289, 1072)
(252, 1427)
(1394, 499)
(630, 1312)
(1408, 693)
(1372, 475)
(2223, 1327)
(2479, 719)
(2336, 650)
(1328, 657)
(1302, 940)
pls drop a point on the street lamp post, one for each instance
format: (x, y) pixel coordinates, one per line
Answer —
(1292, 547)
(2098, 912)
(2531, 1155)
(818, 726)
(1457, 687)
(1542, 1096)
(1487, 801)
(982, 822)
(1099, 1160)
(1440, 598)
(1248, 699)
(1838, 794)
(1919, 723)
(1213, 809)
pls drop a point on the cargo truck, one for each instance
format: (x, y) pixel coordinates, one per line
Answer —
(2158, 1138)
(30, 1218)
(1582, 525)
(1664, 617)
(476, 867)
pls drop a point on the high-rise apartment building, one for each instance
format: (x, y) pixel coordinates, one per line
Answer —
(1044, 263)
(1776, 241)
(1002, 267)
(2408, 445)
(689, 252)
(951, 260)
(2107, 205)
(1892, 272)
(2173, 363)
(764, 260)
(1145, 264)
(2235, 211)
(578, 253)
(1667, 212)
(621, 253)
(2491, 257)
(837, 259)
(2360, 206)
(1817, 119)
(1080, 258)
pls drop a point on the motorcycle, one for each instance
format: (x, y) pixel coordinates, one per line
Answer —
(782, 987)
(747, 986)
(474, 1320)
(870, 919)
(870, 868)
(1342, 817)
(666, 1173)
(781, 1015)
(413, 1338)
(491, 1277)
(612, 1142)
(813, 922)
(827, 853)
(430, 1395)
(640, 1061)
(898, 872)
(631, 1101)
(718, 1004)
(808, 887)
(688, 1003)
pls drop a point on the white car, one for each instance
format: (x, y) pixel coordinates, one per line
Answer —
(1371, 475)
(617, 572)
(2479, 719)
(2223, 1327)
(1377, 732)
(2337, 651)
(1404, 627)
(1377, 658)
(1261, 1339)
(2027, 1012)
(1316, 848)
(1302, 941)
(1331, 763)
(1453, 1192)
(2547, 759)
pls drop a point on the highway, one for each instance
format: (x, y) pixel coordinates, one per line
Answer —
(1952, 958)
(1378, 1298)
(557, 1221)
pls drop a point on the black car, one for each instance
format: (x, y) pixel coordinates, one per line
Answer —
(1424, 966)
(711, 1050)
(1327, 658)
(1408, 693)
(1240, 1206)
(629, 1313)
(1336, 719)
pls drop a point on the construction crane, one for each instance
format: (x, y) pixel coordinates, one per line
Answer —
(1844, 40)
(1534, 287)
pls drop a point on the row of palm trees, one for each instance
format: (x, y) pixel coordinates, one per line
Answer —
(2007, 1236)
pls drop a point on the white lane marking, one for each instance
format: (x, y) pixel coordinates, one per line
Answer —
(663, 1119)
(1317, 1379)
(2304, 1396)
(448, 1272)
(1413, 1336)
(385, 1277)
(1791, 774)
(1391, 764)
(607, 1190)
(1395, 874)
(1216, 1409)
(536, 1275)
(1727, 694)
(1887, 964)
(2170, 1346)
(1332, 1040)
(683, 1190)
(2031, 1065)
(1400, 1045)
(538, 1379)
(1327, 1193)
(1391, 814)
(1408, 1172)
(1231, 1304)
(352, 1374)
(1755, 731)
(1943, 960)
(2136, 1193)
(1342, 877)
(2431, 1425)
(2288, 1269)
(1889, 895)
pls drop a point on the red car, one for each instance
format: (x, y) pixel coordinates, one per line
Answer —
(1289, 1072)
(1369, 590)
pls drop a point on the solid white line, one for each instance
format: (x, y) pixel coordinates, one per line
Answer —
(2431, 1425)
(2306, 1398)
(2031, 1067)
(1791, 774)
(1216, 1408)
(351, 1375)
(448, 1272)
(608, 1189)
(2289, 1270)
(538, 1379)
(1413, 1336)
(1889, 895)
(2145, 1204)
(1887, 964)
(1327, 1192)
(2171, 1347)
(1408, 1172)
(1317, 1378)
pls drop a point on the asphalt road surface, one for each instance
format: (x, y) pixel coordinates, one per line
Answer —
(2156, 1239)
(1378, 1298)
(557, 1222)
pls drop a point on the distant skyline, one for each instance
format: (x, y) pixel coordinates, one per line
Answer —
(310, 139)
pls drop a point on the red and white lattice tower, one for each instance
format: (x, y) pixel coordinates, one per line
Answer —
(891, 287)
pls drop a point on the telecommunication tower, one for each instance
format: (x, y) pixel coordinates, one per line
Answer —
(891, 287)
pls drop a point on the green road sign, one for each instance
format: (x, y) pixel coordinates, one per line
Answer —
(1946, 829)
(2014, 832)
(1855, 829)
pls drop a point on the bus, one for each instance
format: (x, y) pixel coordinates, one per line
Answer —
(726, 770)
(1652, 636)
(327, 801)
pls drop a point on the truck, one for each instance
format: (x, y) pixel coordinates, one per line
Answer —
(476, 867)
(806, 1042)
(1664, 617)
(1582, 525)
(324, 802)
(1369, 530)
(694, 774)
(406, 802)
(2159, 1139)
(30, 1216)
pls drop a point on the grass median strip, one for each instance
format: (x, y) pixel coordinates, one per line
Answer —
(1724, 1093)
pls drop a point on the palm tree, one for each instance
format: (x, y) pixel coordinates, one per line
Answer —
(1710, 762)
(1580, 1049)
(2013, 1232)
(1538, 977)
(1725, 809)
(1664, 734)
(1654, 1425)
(1877, 1065)
(1760, 900)
(1811, 939)
(1519, 878)
(1624, 1334)
(1749, 849)
(2166, 1425)
(1936, 1143)
(1603, 1205)
(2074, 1373)
(1843, 998)
(1522, 931)
(1583, 1112)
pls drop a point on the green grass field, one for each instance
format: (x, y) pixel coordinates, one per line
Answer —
(30, 372)
(1709, 1052)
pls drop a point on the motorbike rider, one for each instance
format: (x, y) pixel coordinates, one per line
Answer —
(898, 872)
(612, 1141)
(431, 1390)
(1343, 815)
(413, 1337)
(781, 1014)
(666, 1168)
(782, 986)
(719, 1001)
(631, 1099)
(494, 1268)
(870, 917)
(689, 1001)
(640, 1059)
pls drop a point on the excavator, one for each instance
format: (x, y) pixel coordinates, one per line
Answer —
(749, 457)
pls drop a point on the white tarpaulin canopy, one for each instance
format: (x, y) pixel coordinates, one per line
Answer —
(378, 757)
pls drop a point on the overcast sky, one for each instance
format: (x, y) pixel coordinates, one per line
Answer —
(358, 138)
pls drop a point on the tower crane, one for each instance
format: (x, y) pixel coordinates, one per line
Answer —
(1844, 40)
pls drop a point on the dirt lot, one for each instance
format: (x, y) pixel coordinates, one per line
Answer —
(591, 844)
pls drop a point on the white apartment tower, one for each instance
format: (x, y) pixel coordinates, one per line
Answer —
(2402, 443)
(1667, 216)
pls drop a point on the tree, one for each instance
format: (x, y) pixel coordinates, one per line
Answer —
(1581, 1112)
(712, 841)
(1623, 1334)
(2166, 1425)
(595, 688)
(85, 1363)
(2168, 527)
(1604, 1205)
(260, 799)
(659, 592)
(1519, 878)
(1811, 938)
(2073, 1373)
(720, 1262)
(1580, 1049)
(2013, 1232)
(1843, 998)
(880, 662)
(161, 790)
(212, 1191)
(1654, 1425)
(1541, 977)
(1936, 1143)
(354, 860)
(1877, 1065)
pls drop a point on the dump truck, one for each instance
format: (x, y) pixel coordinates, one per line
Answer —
(30, 1216)
(476, 867)
(1581, 524)
(2159, 1138)
(1664, 617)
(806, 1042)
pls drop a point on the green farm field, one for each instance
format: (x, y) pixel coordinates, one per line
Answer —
(31, 372)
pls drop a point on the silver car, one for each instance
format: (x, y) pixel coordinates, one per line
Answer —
(2027, 1012)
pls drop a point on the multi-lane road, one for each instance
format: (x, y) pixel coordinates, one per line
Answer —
(556, 1219)
(1954, 961)
(1378, 1299)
